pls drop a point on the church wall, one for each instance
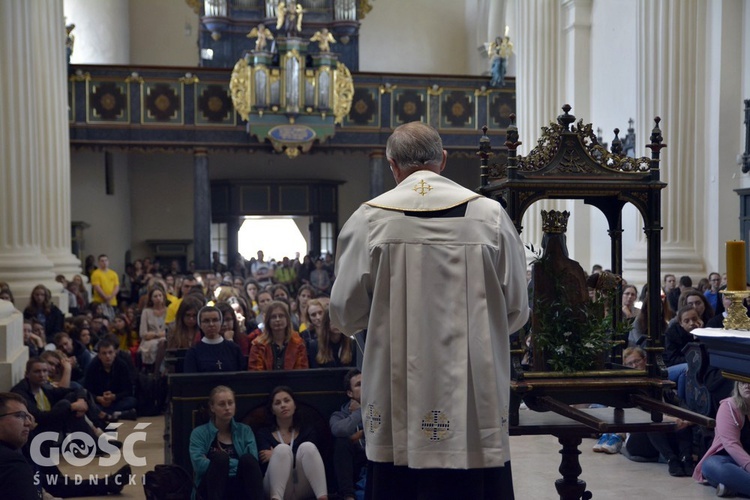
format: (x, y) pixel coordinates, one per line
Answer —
(351, 168)
(108, 215)
(744, 181)
(171, 26)
(724, 110)
(161, 198)
(418, 36)
(102, 33)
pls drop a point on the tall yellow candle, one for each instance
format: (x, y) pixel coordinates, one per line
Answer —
(736, 270)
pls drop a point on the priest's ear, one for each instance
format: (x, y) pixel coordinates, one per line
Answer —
(444, 162)
(396, 171)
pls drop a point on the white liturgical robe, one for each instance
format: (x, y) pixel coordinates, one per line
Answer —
(439, 296)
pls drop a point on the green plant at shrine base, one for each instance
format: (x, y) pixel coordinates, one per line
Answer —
(574, 337)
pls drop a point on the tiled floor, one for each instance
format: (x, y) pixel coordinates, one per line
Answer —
(535, 462)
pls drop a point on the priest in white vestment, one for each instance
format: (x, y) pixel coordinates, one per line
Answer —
(436, 274)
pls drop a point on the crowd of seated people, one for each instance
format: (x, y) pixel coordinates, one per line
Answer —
(258, 316)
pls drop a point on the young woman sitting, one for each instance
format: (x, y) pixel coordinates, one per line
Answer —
(294, 467)
(726, 464)
(224, 453)
(279, 347)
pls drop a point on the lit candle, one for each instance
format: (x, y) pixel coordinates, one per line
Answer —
(507, 29)
(736, 270)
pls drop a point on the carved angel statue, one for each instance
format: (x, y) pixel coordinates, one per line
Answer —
(324, 39)
(262, 34)
(290, 16)
(70, 38)
(499, 51)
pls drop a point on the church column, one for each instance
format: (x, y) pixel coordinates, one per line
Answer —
(537, 46)
(13, 352)
(54, 150)
(671, 44)
(22, 263)
(576, 22)
(378, 168)
(202, 211)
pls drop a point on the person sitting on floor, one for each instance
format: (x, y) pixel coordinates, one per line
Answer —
(55, 409)
(79, 356)
(224, 453)
(109, 380)
(288, 452)
(676, 338)
(346, 426)
(726, 464)
(43, 310)
(19, 480)
(674, 447)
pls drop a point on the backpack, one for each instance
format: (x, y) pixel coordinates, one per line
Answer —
(168, 482)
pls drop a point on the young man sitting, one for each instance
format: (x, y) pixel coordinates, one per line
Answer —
(108, 380)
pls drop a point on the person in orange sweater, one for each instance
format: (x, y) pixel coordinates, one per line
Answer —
(279, 347)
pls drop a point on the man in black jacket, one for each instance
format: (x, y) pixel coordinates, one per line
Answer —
(55, 409)
(108, 380)
(17, 474)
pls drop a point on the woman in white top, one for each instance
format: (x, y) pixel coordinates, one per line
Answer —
(153, 329)
(287, 449)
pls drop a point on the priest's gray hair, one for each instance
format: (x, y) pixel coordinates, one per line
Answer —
(414, 145)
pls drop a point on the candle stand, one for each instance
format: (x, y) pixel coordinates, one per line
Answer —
(737, 318)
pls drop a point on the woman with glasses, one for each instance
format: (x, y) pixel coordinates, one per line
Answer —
(726, 464)
(213, 353)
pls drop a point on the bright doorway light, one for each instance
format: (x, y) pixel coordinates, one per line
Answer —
(277, 237)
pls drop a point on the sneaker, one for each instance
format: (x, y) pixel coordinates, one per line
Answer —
(612, 445)
(723, 491)
(129, 415)
(598, 447)
(675, 467)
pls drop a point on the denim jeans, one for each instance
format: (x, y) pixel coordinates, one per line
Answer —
(722, 469)
(677, 375)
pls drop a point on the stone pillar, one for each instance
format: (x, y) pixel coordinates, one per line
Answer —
(22, 263)
(378, 168)
(202, 211)
(13, 353)
(496, 19)
(54, 150)
(538, 48)
(576, 23)
(671, 44)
